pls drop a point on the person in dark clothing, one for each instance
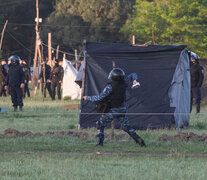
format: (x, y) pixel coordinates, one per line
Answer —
(114, 95)
(15, 80)
(3, 75)
(45, 77)
(27, 79)
(56, 77)
(197, 77)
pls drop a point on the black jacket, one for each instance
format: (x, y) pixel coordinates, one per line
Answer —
(15, 76)
(56, 74)
(197, 75)
(3, 73)
(47, 72)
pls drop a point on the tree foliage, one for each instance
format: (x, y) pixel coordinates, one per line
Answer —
(76, 20)
(171, 22)
(19, 36)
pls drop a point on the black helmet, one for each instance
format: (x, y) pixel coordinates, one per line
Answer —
(194, 56)
(116, 74)
(14, 59)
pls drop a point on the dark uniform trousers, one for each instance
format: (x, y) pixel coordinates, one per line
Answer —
(196, 94)
(48, 87)
(55, 84)
(16, 96)
(26, 90)
(2, 89)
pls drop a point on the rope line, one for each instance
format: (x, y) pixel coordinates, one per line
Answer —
(84, 113)
(18, 41)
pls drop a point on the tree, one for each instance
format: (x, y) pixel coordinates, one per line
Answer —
(19, 37)
(171, 22)
(76, 20)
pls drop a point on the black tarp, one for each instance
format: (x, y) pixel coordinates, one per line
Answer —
(155, 66)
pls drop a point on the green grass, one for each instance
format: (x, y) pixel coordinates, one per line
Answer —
(52, 157)
(75, 167)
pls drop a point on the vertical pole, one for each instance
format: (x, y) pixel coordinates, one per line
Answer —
(83, 78)
(153, 33)
(2, 34)
(36, 48)
(133, 40)
(49, 49)
(112, 122)
(57, 51)
(76, 59)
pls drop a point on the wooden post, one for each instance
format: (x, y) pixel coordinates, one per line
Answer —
(49, 48)
(76, 59)
(36, 48)
(133, 40)
(57, 51)
(64, 56)
(153, 33)
(112, 122)
(2, 34)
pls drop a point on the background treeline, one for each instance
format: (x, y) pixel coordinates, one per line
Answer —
(71, 21)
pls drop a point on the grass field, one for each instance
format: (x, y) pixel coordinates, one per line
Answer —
(68, 157)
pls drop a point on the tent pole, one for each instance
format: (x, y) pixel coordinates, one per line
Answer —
(83, 79)
(112, 122)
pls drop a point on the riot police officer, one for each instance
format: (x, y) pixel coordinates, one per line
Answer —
(45, 77)
(197, 76)
(114, 94)
(56, 77)
(15, 80)
(3, 75)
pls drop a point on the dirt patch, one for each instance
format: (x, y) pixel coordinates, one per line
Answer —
(184, 137)
(72, 106)
(83, 135)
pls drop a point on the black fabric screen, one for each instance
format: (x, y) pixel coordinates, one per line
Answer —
(154, 65)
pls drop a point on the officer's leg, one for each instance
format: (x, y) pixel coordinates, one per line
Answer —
(59, 90)
(53, 90)
(44, 89)
(4, 91)
(191, 101)
(49, 89)
(19, 97)
(101, 124)
(125, 125)
(13, 94)
(27, 89)
(1, 89)
(198, 100)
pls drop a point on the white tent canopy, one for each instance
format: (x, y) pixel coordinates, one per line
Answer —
(70, 88)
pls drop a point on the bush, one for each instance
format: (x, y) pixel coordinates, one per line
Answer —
(67, 98)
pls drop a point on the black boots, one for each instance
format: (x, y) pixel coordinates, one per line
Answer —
(138, 139)
(100, 140)
(99, 143)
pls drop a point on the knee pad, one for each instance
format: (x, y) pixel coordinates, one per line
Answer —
(99, 125)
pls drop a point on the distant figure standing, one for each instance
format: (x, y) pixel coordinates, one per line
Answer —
(197, 76)
(3, 75)
(15, 80)
(27, 79)
(45, 76)
(56, 77)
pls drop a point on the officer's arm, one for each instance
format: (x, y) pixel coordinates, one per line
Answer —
(130, 78)
(107, 90)
(61, 74)
(51, 74)
(22, 75)
(7, 80)
(201, 76)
